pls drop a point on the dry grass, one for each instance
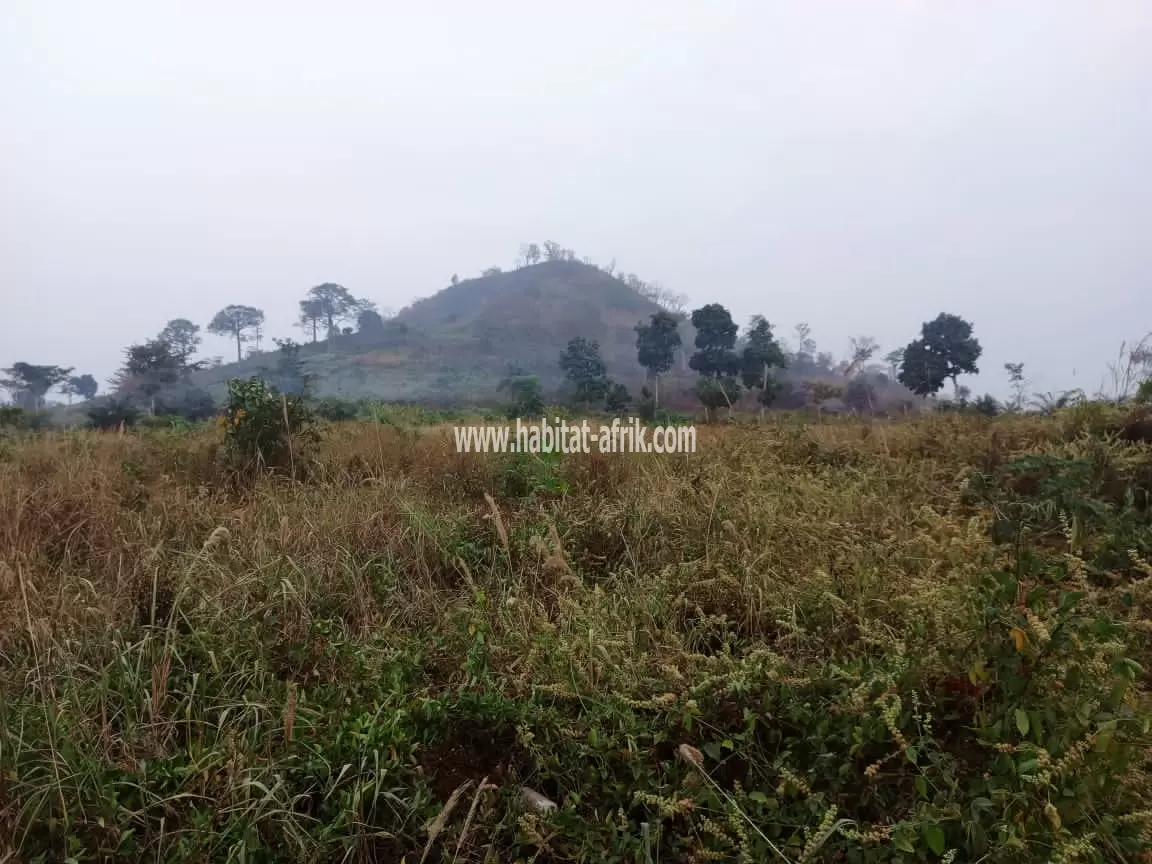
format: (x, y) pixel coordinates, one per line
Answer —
(308, 670)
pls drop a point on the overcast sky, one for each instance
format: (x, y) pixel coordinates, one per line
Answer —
(858, 165)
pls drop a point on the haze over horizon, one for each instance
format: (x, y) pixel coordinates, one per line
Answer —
(861, 167)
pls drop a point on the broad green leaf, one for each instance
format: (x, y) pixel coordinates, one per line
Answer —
(1022, 721)
(934, 837)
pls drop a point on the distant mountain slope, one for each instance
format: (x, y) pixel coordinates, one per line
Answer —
(455, 346)
(526, 316)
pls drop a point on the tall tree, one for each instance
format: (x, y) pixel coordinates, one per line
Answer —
(233, 321)
(583, 366)
(334, 305)
(715, 358)
(148, 369)
(761, 354)
(531, 254)
(311, 314)
(946, 349)
(183, 336)
(656, 344)
(29, 384)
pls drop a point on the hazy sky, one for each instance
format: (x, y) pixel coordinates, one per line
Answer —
(858, 165)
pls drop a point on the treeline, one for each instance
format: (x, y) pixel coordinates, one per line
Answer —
(729, 365)
(156, 375)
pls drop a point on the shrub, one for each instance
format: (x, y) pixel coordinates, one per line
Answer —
(192, 404)
(112, 414)
(337, 410)
(618, 399)
(986, 405)
(264, 428)
(13, 416)
(527, 396)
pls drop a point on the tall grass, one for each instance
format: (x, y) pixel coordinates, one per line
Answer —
(875, 642)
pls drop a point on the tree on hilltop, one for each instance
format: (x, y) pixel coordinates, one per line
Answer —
(332, 304)
(233, 321)
(182, 335)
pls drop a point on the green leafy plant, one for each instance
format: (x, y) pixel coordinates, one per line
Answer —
(266, 429)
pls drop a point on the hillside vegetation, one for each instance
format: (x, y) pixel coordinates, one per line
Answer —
(457, 345)
(849, 641)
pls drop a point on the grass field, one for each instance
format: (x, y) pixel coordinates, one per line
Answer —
(847, 641)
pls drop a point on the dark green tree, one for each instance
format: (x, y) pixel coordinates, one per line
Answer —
(183, 336)
(233, 321)
(715, 358)
(762, 353)
(945, 350)
(656, 344)
(583, 366)
(84, 386)
(148, 369)
(617, 400)
(28, 383)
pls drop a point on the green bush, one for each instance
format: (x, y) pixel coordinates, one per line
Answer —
(266, 429)
(112, 414)
(337, 410)
(13, 417)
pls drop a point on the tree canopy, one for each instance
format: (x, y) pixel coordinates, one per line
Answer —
(233, 321)
(584, 368)
(715, 358)
(945, 350)
(182, 335)
(28, 383)
(761, 354)
(656, 344)
(332, 304)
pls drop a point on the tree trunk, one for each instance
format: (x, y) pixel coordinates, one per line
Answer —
(238, 346)
(313, 331)
(656, 393)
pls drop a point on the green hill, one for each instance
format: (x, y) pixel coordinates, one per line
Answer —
(455, 346)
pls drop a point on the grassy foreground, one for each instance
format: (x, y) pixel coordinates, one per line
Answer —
(852, 642)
